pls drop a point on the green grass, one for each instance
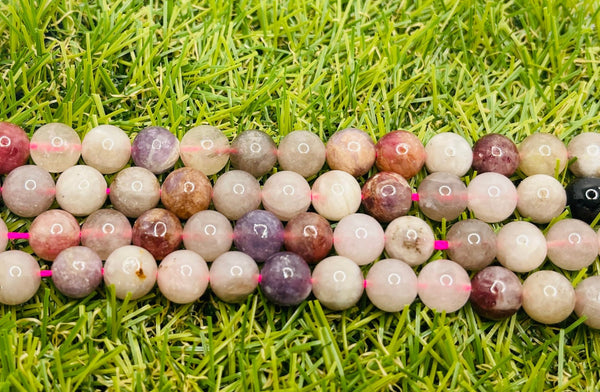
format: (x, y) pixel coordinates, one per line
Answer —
(469, 67)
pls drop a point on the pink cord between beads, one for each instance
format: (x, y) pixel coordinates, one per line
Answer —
(414, 197)
(440, 245)
(11, 235)
(46, 273)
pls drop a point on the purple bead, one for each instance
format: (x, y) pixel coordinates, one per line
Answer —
(259, 234)
(77, 271)
(156, 149)
(495, 153)
(285, 279)
(496, 293)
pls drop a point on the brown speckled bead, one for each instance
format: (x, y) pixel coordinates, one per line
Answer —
(52, 232)
(309, 235)
(409, 239)
(386, 196)
(105, 231)
(400, 152)
(158, 231)
(442, 196)
(352, 151)
(186, 191)
(496, 293)
(495, 153)
(472, 244)
(254, 152)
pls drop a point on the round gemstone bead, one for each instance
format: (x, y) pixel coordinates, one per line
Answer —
(14, 147)
(186, 191)
(285, 279)
(391, 285)
(496, 293)
(409, 239)
(336, 194)
(583, 198)
(286, 194)
(444, 285)
(309, 235)
(302, 152)
(352, 151)
(548, 297)
(28, 191)
(236, 193)
(541, 198)
(386, 196)
(586, 148)
(182, 276)
(205, 148)
(254, 152)
(208, 233)
(572, 244)
(337, 283)
(55, 147)
(521, 246)
(587, 301)
(134, 191)
(156, 149)
(495, 153)
(77, 271)
(158, 231)
(51, 232)
(491, 197)
(448, 152)
(3, 235)
(132, 270)
(259, 234)
(359, 237)
(81, 190)
(400, 152)
(19, 277)
(540, 153)
(106, 148)
(442, 196)
(105, 231)
(472, 244)
(233, 276)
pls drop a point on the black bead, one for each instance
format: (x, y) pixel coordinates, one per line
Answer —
(583, 197)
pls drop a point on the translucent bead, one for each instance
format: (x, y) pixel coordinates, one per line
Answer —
(472, 244)
(495, 153)
(444, 286)
(254, 152)
(496, 293)
(491, 197)
(233, 276)
(259, 234)
(572, 244)
(548, 297)
(132, 270)
(208, 233)
(286, 194)
(337, 283)
(409, 239)
(134, 191)
(587, 301)
(302, 152)
(158, 231)
(541, 198)
(28, 191)
(81, 190)
(391, 285)
(586, 148)
(156, 149)
(351, 150)
(400, 152)
(309, 235)
(205, 148)
(336, 194)
(105, 231)
(14, 147)
(236, 193)
(77, 271)
(442, 196)
(540, 153)
(186, 191)
(182, 276)
(386, 196)
(52, 232)
(359, 237)
(448, 152)
(285, 279)
(19, 277)
(55, 147)
(106, 148)
(521, 246)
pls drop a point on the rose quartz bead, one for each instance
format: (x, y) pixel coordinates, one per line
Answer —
(496, 293)
(472, 244)
(540, 153)
(352, 151)
(309, 235)
(302, 152)
(548, 297)
(495, 153)
(448, 152)
(182, 276)
(236, 193)
(186, 191)
(132, 270)
(336, 194)
(208, 233)
(158, 231)
(55, 147)
(541, 198)
(254, 152)
(572, 244)
(386, 196)
(444, 286)
(105, 231)
(400, 152)
(19, 277)
(586, 148)
(3, 236)
(134, 191)
(81, 190)
(205, 148)
(286, 194)
(391, 285)
(587, 301)
(52, 232)
(28, 191)
(491, 197)
(409, 239)
(233, 276)
(521, 246)
(106, 148)
(14, 147)
(156, 149)
(442, 196)
(77, 271)
(337, 283)
(359, 237)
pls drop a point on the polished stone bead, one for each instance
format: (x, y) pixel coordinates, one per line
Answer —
(106, 148)
(391, 285)
(286, 194)
(386, 196)
(496, 293)
(548, 297)
(19, 277)
(336, 194)
(472, 244)
(236, 193)
(302, 152)
(540, 153)
(448, 152)
(81, 190)
(583, 198)
(51, 232)
(491, 197)
(400, 152)
(541, 198)
(442, 196)
(3, 235)
(572, 244)
(285, 279)
(182, 276)
(28, 191)
(132, 270)
(409, 239)
(521, 246)
(337, 283)
(587, 301)
(444, 286)
(55, 147)
(208, 233)
(233, 276)
(259, 234)
(156, 149)
(352, 151)
(186, 191)
(586, 148)
(14, 147)
(158, 231)
(495, 153)
(309, 235)
(134, 191)
(254, 152)
(359, 237)
(105, 231)
(77, 271)
(205, 148)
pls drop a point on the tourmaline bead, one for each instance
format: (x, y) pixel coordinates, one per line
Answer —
(336, 194)
(472, 244)
(386, 196)
(541, 198)
(587, 301)
(3, 235)
(286, 194)
(583, 198)
(496, 293)
(254, 152)
(156, 149)
(208, 233)
(134, 191)
(400, 152)
(359, 237)
(182, 276)
(495, 153)
(337, 283)
(409, 239)
(186, 191)
(540, 153)
(106, 148)
(205, 148)
(444, 285)
(19, 277)
(236, 193)
(285, 279)
(521, 246)
(491, 197)
(132, 270)
(391, 285)
(81, 190)
(105, 231)
(442, 196)
(259, 234)
(28, 191)
(14, 147)
(548, 297)
(233, 276)
(158, 231)
(51, 232)
(352, 151)
(302, 152)
(448, 152)
(55, 147)
(309, 235)
(77, 271)
(586, 148)
(572, 244)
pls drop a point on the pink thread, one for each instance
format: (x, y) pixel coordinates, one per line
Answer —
(365, 284)
(259, 279)
(108, 191)
(17, 236)
(414, 197)
(45, 273)
(440, 245)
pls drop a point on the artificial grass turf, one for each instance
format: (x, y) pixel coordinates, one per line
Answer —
(468, 67)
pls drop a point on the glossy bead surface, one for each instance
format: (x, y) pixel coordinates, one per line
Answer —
(540, 153)
(77, 271)
(51, 232)
(106, 148)
(309, 235)
(205, 148)
(254, 152)
(55, 147)
(351, 150)
(81, 190)
(548, 297)
(496, 293)
(233, 276)
(586, 148)
(134, 191)
(400, 152)
(19, 277)
(541, 198)
(409, 239)
(259, 234)
(495, 153)
(158, 231)
(491, 197)
(236, 193)
(386, 196)
(572, 244)
(302, 152)
(521, 246)
(105, 231)
(448, 152)
(444, 286)
(28, 191)
(132, 270)
(14, 147)
(208, 233)
(285, 279)
(583, 198)
(472, 244)
(156, 149)
(587, 301)
(359, 237)
(3, 235)
(186, 191)
(182, 276)
(286, 194)
(336, 194)
(337, 283)
(391, 285)
(442, 196)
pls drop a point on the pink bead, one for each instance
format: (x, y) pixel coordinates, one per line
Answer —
(28, 191)
(208, 233)
(19, 277)
(444, 286)
(105, 231)
(233, 276)
(337, 282)
(492, 197)
(52, 232)
(359, 237)
(391, 285)
(548, 297)
(521, 246)
(572, 244)
(14, 147)
(286, 194)
(182, 276)
(336, 194)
